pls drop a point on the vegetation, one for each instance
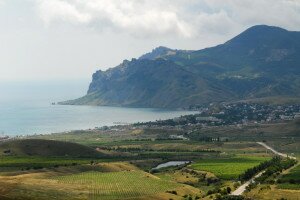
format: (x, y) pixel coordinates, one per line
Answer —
(290, 180)
(37, 162)
(111, 161)
(204, 76)
(230, 197)
(277, 166)
(119, 185)
(228, 168)
(250, 173)
(266, 192)
(39, 147)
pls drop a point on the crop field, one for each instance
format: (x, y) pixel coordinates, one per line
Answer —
(119, 185)
(264, 192)
(291, 180)
(38, 162)
(228, 168)
(289, 186)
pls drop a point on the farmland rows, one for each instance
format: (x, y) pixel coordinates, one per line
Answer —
(228, 168)
(114, 185)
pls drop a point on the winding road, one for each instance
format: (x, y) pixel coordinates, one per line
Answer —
(274, 151)
(240, 190)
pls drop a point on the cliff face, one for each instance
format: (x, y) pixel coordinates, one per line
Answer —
(262, 62)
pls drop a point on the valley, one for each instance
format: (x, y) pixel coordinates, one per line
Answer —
(150, 100)
(119, 162)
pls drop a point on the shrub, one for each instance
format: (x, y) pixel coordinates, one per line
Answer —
(172, 192)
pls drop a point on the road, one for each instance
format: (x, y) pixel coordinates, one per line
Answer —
(240, 190)
(274, 151)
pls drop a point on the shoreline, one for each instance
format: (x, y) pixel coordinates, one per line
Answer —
(48, 119)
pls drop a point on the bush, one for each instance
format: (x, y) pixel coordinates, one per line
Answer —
(209, 192)
(172, 192)
(230, 197)
(236, 184)
(228, 190)
(292, 181)
(271, 167)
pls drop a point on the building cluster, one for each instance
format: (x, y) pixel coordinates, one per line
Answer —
(243, 113)
(233, 114)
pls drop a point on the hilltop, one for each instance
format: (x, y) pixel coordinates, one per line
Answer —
(263, 62)
(39, 147)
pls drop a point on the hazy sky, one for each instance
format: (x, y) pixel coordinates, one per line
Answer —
(70, 39)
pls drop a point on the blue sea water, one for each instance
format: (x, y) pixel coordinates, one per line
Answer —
(25, 109)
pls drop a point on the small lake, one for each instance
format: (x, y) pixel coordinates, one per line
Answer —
(171, 164)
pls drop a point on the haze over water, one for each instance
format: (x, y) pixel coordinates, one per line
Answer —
(25, 108)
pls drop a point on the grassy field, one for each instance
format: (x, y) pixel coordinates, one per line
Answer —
(228, 168)
(119, 185)
(36, 162)
(118, 180)
(291, 180)
(103, 137)
(45, 148)
(32, 154)
(289, 186)
(109, 164)
(266, 192)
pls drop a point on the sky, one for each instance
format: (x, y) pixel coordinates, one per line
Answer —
(71, 39)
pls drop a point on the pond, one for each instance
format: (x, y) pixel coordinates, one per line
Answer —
(171, 164)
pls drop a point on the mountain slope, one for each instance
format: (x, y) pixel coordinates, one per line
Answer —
(150, 83)
(261, 62)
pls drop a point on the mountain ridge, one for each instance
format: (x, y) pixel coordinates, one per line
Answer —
(261, 62)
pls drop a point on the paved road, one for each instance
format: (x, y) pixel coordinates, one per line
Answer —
(240, 190)
(274, 151)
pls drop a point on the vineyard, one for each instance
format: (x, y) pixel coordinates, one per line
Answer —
(118, 185)
(228, 168)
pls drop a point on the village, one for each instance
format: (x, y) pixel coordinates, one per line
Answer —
(238, 114)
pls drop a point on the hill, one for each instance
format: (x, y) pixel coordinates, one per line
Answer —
(38, 147)
(262, 62)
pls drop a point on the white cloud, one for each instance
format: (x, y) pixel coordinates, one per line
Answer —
(61, 10)
(184, 18)
(82, 36)
(245, 13)
(138, 17)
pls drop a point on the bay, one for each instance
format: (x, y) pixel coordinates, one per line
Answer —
(26, 108)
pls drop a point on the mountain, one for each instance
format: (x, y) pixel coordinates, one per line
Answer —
(161, 52)
(262, 62)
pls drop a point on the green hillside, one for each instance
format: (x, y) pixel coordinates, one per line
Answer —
(48, 148)
(263, 62)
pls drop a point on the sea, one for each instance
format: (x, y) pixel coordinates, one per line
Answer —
(26, 109)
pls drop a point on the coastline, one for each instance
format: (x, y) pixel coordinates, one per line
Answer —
(51, 119)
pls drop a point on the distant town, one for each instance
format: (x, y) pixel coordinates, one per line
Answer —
(232, 114)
